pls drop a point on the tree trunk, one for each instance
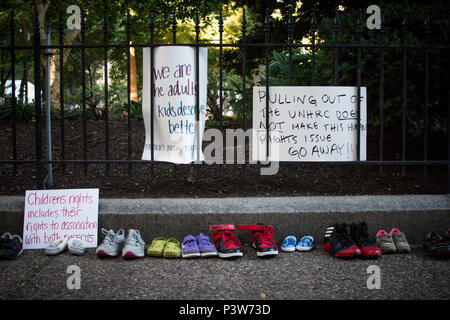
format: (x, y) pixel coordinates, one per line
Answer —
(55, 75)
(133, 84)
(69, 37)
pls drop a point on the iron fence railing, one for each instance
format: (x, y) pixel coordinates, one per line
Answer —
(243, 45)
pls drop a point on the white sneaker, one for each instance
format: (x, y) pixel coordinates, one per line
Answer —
(134, 247)
(111, 243)
(56, 247)
(76, 247)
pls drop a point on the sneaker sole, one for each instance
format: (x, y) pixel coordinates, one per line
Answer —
(288, 249)
(208, 254)
(348, 255)
(263, 254)
(230, 255)
(267, 254)
(343, 254)
(371, 252)
(131, 255)
(104, 254)
(303, 248)
(375, 255)
(7, 257)
(77, 252)
(190, 255)
(439, 254)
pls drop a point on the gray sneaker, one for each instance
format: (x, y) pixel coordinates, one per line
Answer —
(400, 241)
(111, 243)
(134, 246)
(385, 242)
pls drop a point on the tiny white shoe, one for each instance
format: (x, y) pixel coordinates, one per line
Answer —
(76, 247)
(56, 247)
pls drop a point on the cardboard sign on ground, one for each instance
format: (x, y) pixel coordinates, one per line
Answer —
(57, 214)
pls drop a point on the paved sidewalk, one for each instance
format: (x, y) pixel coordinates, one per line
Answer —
(311, 275)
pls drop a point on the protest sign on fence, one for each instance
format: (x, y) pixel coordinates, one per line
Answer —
(317, 123)
(50, 215)
(177, 135)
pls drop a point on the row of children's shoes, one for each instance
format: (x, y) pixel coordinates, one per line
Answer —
(225, 244)
(349, 241)
(133, 246)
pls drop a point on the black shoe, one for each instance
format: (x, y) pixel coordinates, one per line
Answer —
(6, 236)
(338, 243)
(11, 247)
(359, 234)
(436, 246)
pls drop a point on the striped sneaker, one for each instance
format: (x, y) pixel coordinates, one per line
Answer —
(338, 243)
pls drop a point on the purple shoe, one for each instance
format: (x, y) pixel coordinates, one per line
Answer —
(207, 249)
(189, 248)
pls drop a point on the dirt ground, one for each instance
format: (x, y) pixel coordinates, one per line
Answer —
(169, 180)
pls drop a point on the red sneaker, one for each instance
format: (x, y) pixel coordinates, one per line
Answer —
(225, 241)
(359, 234)
(338, 243)
(262, 239)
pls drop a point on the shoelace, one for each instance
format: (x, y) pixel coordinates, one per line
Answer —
(190, 242)
(133, 240)
(266, 237)
(365, 241)
(306, 242)
(228, 238)
(362, 236)
(203, 241)
(109, 236)
(342, 235)
(399, 236)
(289, 241)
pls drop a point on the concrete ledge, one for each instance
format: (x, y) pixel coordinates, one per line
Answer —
(176, 217)
(336, 204)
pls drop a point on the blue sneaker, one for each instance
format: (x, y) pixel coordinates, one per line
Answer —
(306, 243)
(289, 243)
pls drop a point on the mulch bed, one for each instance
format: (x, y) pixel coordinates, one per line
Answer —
(168, 180)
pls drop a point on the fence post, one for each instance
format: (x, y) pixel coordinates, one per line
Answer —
(152, 98)
(37, 103)
(13, 90)
(48, 114)
(267, 40)
(106, 83)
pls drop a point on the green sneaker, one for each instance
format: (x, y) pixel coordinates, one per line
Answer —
(385, 242)
(400, 241)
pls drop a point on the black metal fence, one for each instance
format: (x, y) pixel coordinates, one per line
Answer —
(39, 49)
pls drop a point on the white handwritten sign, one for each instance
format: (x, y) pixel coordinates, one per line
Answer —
(57, 214)
(177, 135)
(309, 124)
